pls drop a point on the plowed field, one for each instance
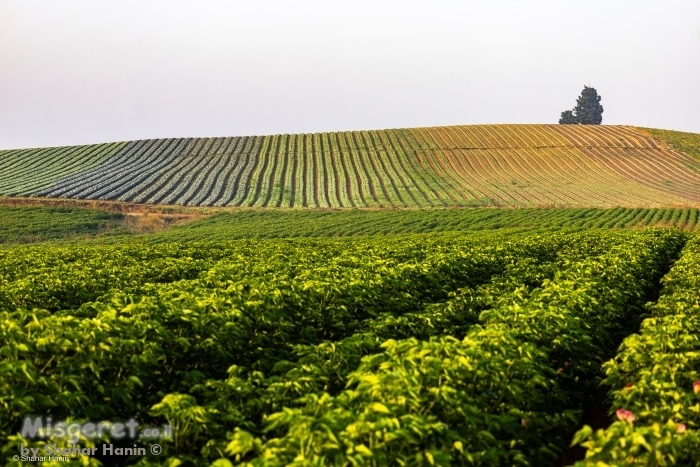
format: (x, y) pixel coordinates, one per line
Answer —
(480, 165)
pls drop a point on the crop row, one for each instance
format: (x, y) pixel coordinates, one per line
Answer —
(30, 224)
(133, 158)
(522, 171)
(342, 223)
(655, 380)
(111, 324)
(688, 143)
(507, 393)
(34, 224)
(25, 172)
(513, 165)
(662, 171)
(531, 136)
(248, 347)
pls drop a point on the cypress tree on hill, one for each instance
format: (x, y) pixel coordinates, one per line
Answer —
(588, 110)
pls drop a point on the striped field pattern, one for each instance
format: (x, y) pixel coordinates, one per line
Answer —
(278, 223)
(479, 165)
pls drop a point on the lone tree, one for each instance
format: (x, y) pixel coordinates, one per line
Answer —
(588, 110)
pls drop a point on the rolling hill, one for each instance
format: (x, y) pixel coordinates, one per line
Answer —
(477, 165)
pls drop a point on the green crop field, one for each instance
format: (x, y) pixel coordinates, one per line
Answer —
(34, 224)
(423, 349)
(307, 223)
(455, 166)
(25, 224)
(509, 295)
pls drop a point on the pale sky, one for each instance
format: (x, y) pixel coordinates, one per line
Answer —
(90, 71)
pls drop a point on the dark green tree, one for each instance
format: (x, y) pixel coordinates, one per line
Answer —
(568, 118)
(588, 110)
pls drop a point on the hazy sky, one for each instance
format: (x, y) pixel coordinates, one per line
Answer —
(88, 71)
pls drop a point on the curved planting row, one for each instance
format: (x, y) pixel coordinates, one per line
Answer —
(436, 190)
(559, 176)
(123, 178)
(144, 179)
(166, 171)
(72, 186)
(400, 181)
(498, 165)
(26, 172)
(605, 136)
(230, 173)
(506, 393)
(665, 171)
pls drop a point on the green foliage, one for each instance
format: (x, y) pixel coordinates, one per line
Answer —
(123, 354)
(568, 118)
(656, 376)
(35, 224)
(588, 110)
(688, 143)
(55, 278)
(418, 350)
(341, 223)
(506, 394)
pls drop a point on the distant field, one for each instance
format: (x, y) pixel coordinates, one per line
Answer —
(481, 165)
(312, 223)
(36, 224)
(28, 171)
(688, 143)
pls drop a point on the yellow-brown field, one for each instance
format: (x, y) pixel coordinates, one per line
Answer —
(475, 165)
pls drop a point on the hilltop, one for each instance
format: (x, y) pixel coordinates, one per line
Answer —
(475, 165)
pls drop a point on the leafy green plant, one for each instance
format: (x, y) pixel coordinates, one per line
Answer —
(507, 393)
(655, 377)
(451, 348)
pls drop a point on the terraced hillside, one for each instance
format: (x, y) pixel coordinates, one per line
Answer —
(482, 165)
